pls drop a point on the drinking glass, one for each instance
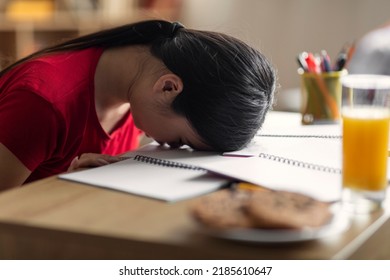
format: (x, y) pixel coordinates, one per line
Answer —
(365, 121)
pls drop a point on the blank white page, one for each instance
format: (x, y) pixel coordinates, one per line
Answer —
(155, 181)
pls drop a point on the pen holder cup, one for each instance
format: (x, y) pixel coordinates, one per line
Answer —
(321, 96)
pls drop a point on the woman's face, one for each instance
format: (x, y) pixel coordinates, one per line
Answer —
(153, 115)
(150, 100)
(167, 128)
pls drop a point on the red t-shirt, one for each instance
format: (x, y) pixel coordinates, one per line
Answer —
(48, 116)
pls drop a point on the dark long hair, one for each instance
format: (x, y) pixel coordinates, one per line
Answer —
(228, 85)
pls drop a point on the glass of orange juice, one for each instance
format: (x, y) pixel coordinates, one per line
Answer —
(365, 121)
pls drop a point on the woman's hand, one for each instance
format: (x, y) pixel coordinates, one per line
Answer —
(92, 160)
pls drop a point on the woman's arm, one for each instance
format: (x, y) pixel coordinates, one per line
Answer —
(92, 160)
(12, 172)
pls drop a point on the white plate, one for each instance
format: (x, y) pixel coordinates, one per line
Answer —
(339, 223)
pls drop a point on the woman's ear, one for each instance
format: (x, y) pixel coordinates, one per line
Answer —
(169, 85)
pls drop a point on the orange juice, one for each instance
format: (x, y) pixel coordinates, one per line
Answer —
(365, 147)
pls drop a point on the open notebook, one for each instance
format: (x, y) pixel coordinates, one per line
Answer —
(155, 172)
(173, 175)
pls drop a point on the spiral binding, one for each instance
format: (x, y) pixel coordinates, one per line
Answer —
(293, 162)
(301, 163)
(167, 163)
(301, 136)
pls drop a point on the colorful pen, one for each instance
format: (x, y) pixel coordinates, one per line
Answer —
(325, 62)
(322, 63)
(341, 61)
(301, 58)
(312, 64)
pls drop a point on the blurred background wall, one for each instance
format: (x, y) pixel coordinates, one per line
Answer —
(280, 28)
(283, 28)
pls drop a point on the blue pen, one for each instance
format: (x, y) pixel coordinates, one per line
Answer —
(325, 61)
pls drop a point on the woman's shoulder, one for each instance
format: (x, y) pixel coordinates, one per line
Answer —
(58, 85)
(55, 75)
(67, 64)
(71, 56)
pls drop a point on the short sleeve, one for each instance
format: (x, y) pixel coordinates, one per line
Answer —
(29, 127)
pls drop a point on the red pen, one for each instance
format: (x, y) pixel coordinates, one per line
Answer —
(312, 64)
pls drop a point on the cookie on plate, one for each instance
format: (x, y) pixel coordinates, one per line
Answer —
(286, 210)
(223, 209)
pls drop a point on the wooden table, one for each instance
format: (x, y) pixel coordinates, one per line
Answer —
(57, 219)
